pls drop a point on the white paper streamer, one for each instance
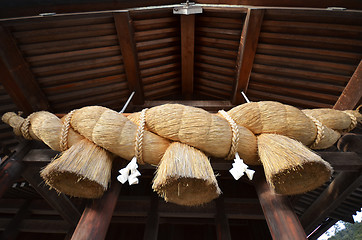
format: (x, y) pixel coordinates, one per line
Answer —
(240, 168)
(129, 173)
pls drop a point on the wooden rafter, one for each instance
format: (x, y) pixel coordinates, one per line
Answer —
(97, 216)
(247, 48)
(332, 196)
(352, 93)
(187, 55)
(17, 78)
(127, 43)
(59, 202)
(282, 220)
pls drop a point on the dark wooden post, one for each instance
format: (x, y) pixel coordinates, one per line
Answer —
(282, 221)
(151, 230)
(222, 223)
(187, 54)
(96, 218)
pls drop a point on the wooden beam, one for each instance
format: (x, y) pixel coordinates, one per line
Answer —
(127, 43)
(97, 216)
(350, 142)
(153, 219)
(11, 170)
(58, 201)
(352, 93)
(282, 221)
(222, 222)
(187, 55)
(322, 229)
(17, 78)
(12, 230)
(247, 48)
(331, 197)
(211, 106)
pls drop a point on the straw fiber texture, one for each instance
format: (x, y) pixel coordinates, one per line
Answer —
(84, 170)
(289, 166)
(185, 176)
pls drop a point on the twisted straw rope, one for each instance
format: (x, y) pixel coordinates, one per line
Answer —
(353, 121)
(320, 131)
(139, 137)
(65, 130)
(25, 128)
(235, 135)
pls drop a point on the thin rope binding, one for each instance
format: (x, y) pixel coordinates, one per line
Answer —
(65, 131)
(354, 122)
(25, 127)
(139, 137)
(320, 131)
(235, 135)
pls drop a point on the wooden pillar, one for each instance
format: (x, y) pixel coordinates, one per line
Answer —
(282, 221)
(222, 223)
(187, 55)
(96, 218)
(151, 230)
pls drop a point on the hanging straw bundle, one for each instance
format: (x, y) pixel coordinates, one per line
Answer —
(198, 128)
(289, 166)
(84, 170)
(185, 176)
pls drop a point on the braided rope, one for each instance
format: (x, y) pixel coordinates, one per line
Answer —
(235, 134)
(25, 128)
(353, 121)
(65, 130)
(320, 131)
(139, 137)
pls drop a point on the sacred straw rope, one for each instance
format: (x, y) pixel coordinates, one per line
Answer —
(25, 128)
(320, 130)
(139, 137)
(353, 121)
(235, 135)
(65, 130)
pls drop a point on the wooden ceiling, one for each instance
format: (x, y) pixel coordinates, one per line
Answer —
(307, 58)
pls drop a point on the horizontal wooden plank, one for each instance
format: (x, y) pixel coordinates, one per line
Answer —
(310, 65)
(149, 24)
(232, 33)
(38, 22)
(310, 75)
(215, 61)
(216, 42)
(213, 84)
(156, 33)
(89, 83)
(83, 65)
(62, 57)
(262, 95)
(154, 53)
(214, 76)
(68, 45)
(231, 22)
(311, 41)
(149, 63)
(166, 91)
(297, 93)
(310, 53)
(160, 69)
(89, 92)
(308, 28)
(296, 83)
(201, 66)
(78, 76)
(160, 77)
(57, 34)
(217, 52)
(208, 90)
(162, 84)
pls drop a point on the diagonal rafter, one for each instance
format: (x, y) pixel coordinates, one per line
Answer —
(17, 78)
(352, 93)
(127, 43)
(247, 48)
